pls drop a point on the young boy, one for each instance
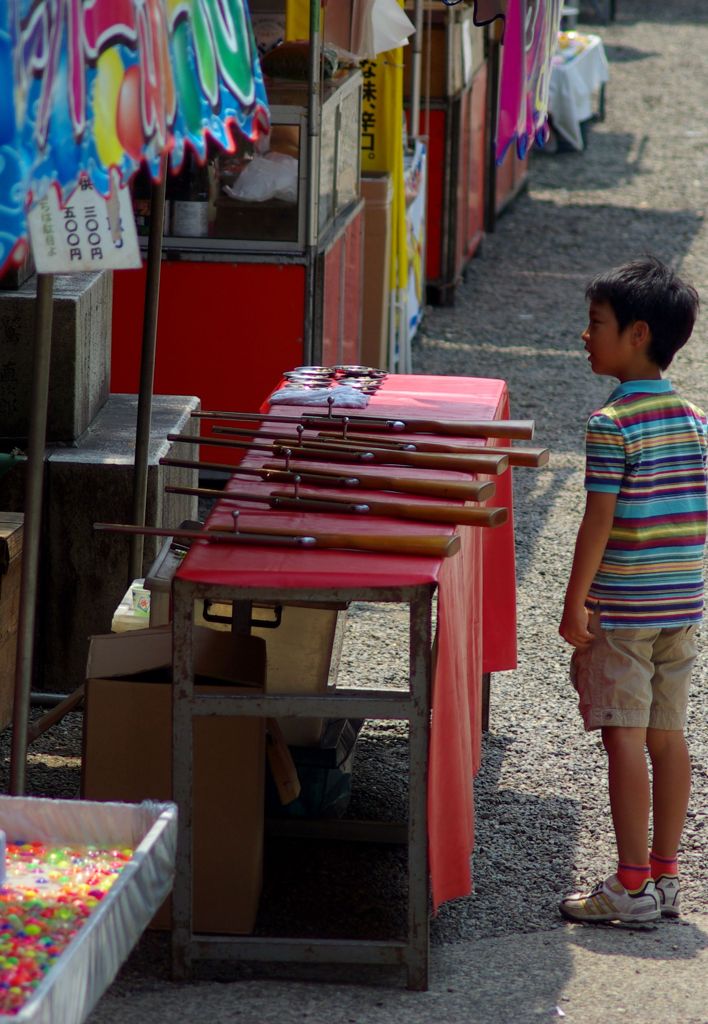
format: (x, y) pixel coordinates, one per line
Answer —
(635, 593)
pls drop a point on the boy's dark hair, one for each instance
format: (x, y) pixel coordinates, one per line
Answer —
(646, 289)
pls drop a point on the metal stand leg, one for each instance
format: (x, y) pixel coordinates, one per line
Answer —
(413, 706)
(182, 775)
(147, 371)
(486, 696)
(32, 533)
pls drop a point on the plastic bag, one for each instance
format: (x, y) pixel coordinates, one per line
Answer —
(343, 397)
(271, 176)
(381, 25)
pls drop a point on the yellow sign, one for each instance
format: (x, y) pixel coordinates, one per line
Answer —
(382, 144)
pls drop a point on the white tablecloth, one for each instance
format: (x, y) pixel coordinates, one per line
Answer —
(572, 88)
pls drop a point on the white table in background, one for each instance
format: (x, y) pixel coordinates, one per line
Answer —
(573, 88)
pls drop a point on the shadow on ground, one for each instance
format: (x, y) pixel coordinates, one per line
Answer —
(506, 870)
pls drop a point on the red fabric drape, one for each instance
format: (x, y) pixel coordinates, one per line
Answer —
(476, 629)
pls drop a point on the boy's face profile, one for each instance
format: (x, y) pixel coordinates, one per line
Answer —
(613, 352)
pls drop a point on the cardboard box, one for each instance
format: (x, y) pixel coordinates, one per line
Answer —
(303, 657)
(128, 756)
(377, 192)
(11, 529)
(302, 651)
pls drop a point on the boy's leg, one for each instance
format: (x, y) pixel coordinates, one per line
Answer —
(674, 655)
(629, 792)
(613, 679)
(671, 788)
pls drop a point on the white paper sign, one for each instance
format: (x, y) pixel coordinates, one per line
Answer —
(87, 233)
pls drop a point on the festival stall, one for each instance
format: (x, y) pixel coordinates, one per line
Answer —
(484, 83)
(453, 121)
(280, 215)
(364, 561)
(86, 101)
(89, 101)
(284, 535)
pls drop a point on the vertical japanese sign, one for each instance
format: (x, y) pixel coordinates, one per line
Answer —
(382, 144)
(368, 115)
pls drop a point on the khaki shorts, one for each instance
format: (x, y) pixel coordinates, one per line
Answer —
(634, 677)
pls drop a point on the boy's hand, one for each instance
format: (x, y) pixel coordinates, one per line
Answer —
(589, 550)
(574, 627)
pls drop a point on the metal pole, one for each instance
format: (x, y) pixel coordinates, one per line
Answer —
(416, 69)
(493, 72)
(314, 106)
(147, 369)
(34, 486)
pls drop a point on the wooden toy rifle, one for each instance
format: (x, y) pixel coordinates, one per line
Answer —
(521, 430)
(299, 502)
(470, 463)
(430, 546)
(518, 456)
(454, 490)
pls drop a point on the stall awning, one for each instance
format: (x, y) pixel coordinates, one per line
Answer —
(99, 88)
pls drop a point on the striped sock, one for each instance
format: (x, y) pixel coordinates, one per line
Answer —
(633, 876)
(662, 865)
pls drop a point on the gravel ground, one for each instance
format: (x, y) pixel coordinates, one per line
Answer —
(542, 813)
(542, 810)
(542, 817)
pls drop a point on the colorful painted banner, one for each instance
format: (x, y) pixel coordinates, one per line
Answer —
(530, 34)
(89, 86)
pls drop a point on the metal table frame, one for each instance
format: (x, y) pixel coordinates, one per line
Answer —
(412, 705)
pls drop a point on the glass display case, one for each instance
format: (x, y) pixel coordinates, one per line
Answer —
(229, 252)
(255, 199)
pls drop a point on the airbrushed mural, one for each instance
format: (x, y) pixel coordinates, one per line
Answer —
(97, 87)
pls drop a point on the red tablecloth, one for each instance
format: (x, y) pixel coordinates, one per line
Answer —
(476, 602)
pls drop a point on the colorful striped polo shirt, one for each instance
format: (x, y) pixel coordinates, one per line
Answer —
(648, 446)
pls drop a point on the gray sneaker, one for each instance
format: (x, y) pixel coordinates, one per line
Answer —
(669, 889)
(610, 901)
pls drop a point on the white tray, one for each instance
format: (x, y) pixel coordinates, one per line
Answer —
(79, 977)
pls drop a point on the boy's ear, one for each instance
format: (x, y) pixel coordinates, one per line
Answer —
(641, 333)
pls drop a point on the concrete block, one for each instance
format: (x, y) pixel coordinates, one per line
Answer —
(80, 359)
(18, 273)
(83, 573)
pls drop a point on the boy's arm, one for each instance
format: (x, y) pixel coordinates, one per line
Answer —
(589, 548)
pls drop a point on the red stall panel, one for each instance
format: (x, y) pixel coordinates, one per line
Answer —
(226, 331)
(474, 174)
(436, 122)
